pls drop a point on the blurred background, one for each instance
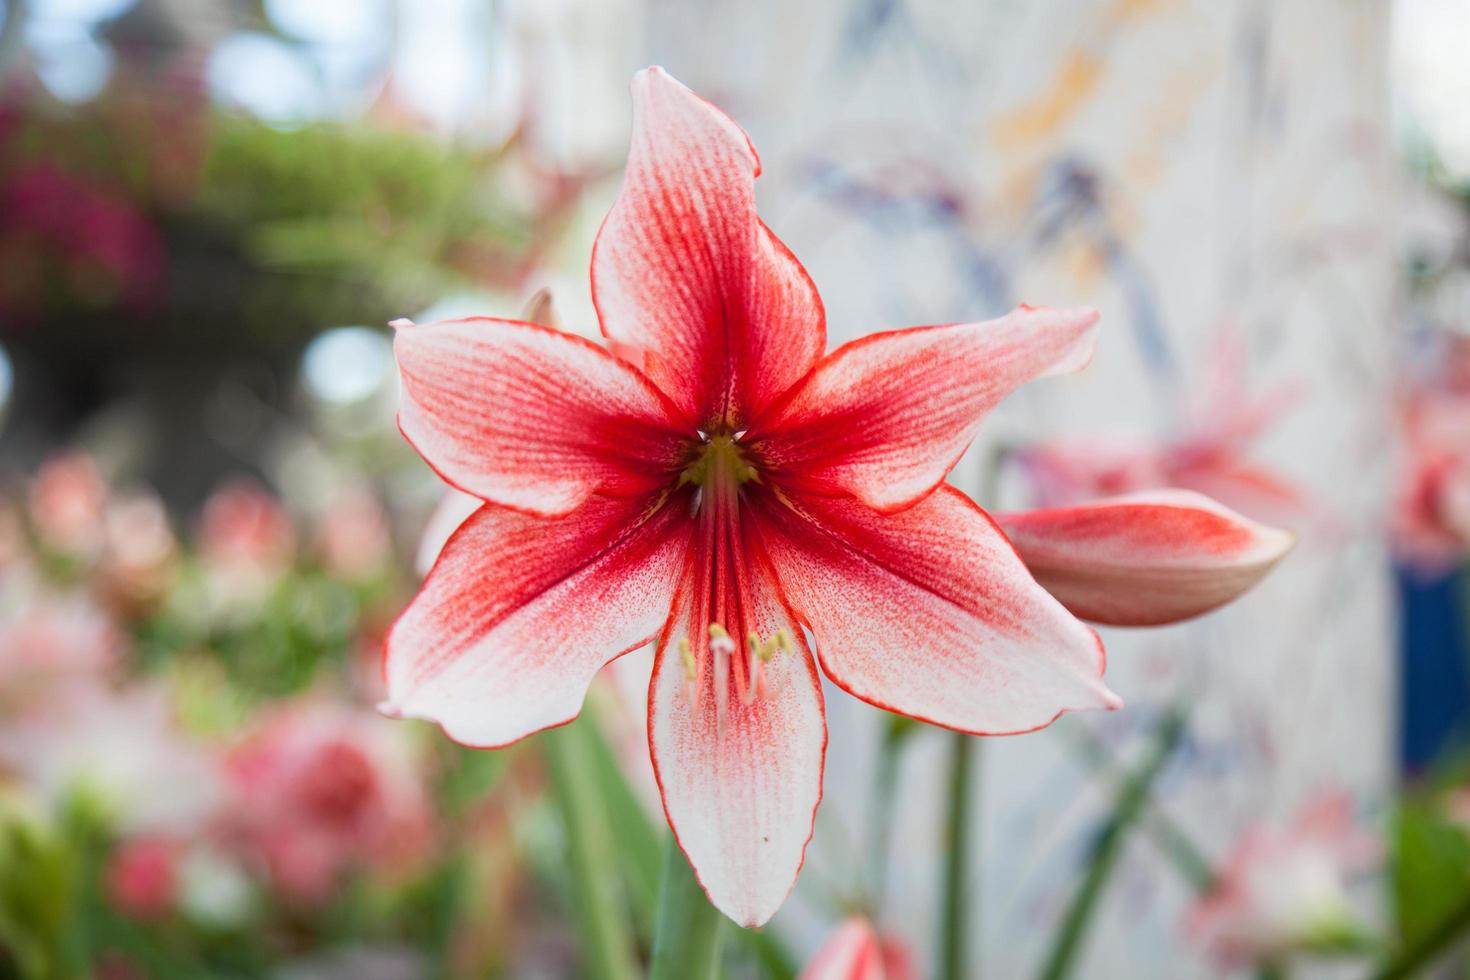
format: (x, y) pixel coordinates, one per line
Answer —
(210, 210)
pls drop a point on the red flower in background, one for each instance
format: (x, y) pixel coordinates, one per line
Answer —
(717, 485)
(319, 790)
(246, 539)
(58, 224)
(142, 876)
(1431, 509)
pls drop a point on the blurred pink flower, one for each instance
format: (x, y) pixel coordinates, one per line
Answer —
(855, 951)
(141, 877)
(246, 539)
(140, 554)
(1285, 889)
(1430, 522)
(353, 539)
(321, 789)
(122, 749)
(50, 642)
(1210, 456)
(68, 500)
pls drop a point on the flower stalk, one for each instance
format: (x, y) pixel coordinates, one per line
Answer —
(1132, 799)
(605, 935)
(953, 952)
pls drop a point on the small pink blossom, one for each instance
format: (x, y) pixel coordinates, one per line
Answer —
(68, 500)
(243, 523)
(321, 789)
(141, 877)
(140, 553)
(1285, 889)
(50, 642)
(856, 951)
(353, 540)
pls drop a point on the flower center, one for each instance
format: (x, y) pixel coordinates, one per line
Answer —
(719, 464)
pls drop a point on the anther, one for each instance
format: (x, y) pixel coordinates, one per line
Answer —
(719, 640)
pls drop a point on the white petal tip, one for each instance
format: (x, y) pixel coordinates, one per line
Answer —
(402, 323)
(390, 710)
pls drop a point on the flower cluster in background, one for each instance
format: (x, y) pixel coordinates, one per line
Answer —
(192, 774)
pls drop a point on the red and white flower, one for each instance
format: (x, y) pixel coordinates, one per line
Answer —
(711, 482)
(1284, 889)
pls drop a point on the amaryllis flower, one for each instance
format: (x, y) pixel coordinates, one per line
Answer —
(855, 951)
(710, 482)
(1284, 889)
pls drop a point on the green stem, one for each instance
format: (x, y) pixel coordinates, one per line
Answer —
(1188, 859)
(607, 948)
(1430, 946)
(686, 943)
(885, 785)
(957, 921)
(1131, 799)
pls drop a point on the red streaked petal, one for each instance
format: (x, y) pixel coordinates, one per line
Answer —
(520, 612)
(529, 417)
(1145, 559)
(887, 416)
(685, 273)
(930, 613)
(740, 787)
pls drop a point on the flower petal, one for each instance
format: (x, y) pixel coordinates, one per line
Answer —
(887, 416)
(929, 612)
(520, 612)
(740, 786)
(684, 271)
(1145, 559)
(529, 417)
